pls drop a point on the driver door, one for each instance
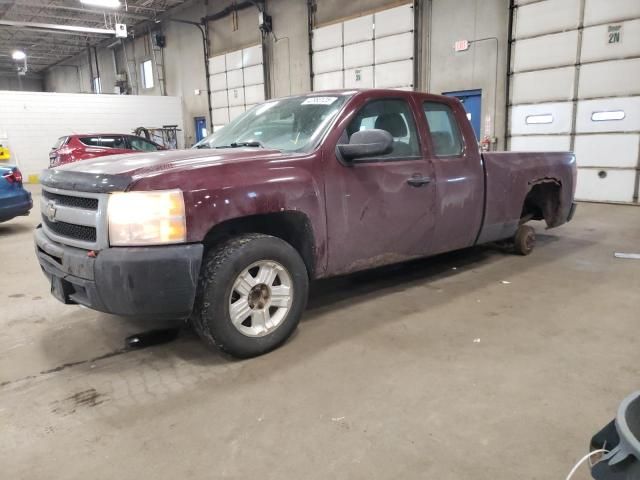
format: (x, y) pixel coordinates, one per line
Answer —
(380, 210)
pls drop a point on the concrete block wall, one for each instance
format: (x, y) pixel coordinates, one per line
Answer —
(33, 121)
(287, 52)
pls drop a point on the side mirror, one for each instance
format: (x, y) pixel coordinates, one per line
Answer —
(367, 143)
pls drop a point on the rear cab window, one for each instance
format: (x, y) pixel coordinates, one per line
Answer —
(443, 128)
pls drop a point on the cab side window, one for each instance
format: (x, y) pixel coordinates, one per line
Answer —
(142, 145)
(445, 134)
(395, 117)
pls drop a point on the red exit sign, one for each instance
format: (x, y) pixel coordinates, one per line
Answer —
(461, 45)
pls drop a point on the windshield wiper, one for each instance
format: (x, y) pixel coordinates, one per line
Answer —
(203, 145)
(254, 143)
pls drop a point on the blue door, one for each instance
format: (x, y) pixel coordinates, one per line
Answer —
(201, 128)
(472, 101)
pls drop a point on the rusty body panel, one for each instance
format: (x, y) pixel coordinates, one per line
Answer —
(361, 215)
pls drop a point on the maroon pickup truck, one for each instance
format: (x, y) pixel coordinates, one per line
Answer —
(230, 233)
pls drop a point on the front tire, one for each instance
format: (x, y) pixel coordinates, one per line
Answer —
(251, 294)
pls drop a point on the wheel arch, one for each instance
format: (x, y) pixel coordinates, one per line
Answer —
(543, 201)
(294, 227)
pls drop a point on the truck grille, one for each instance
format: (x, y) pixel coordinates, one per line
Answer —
(78, 232)
(77, 219)
(69, 201)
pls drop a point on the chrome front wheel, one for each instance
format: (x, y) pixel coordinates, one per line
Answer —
(260, 299)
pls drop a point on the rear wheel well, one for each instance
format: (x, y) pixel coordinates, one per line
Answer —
(542, 202)
(292, 227)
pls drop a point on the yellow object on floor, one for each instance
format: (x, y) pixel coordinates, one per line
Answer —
(4, 154)
(33, 178)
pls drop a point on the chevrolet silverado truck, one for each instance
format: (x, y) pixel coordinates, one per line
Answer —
(230, 233)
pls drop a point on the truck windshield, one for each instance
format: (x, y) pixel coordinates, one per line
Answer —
(287, 124)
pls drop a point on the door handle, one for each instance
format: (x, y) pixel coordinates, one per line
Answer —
(418, 180)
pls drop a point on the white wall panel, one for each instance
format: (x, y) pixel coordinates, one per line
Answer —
(602, 11)
(219, 99)
(543, 85)
(253, 75)
(547, 17)
(33, 121)
(556, 50)
(252, 56)
(218, 82)
(527, 119)
(358, 30)
(220, 116)
(630, 106)
(327, 37)
(234, 60)
(595, 44)
(616, 186)
(617, 77)
(327, 60)
(540, 143)
(361, 77)
(610, 150)
(236, 97)
(235, 112)
(240, 82)
(358, 54)
(328, 81)
(234, 78)
(394, 74)
(217, 65)
(254, 94)
(394, 47)
(393, 20)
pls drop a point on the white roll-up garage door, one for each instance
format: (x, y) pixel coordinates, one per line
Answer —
(237, 83)
(574, 86)
(374, 50)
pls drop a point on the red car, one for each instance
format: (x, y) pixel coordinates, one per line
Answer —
(73, 148)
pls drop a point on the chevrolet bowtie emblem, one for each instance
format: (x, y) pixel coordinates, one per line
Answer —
(50, 211)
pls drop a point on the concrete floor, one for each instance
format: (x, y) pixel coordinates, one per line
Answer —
(436, 370)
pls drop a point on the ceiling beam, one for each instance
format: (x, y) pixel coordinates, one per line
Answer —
(56, 27)
(88, 11)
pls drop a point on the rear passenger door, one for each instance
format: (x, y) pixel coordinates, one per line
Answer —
(459, 174)
(380, 210)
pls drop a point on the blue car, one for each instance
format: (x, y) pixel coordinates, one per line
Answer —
(14, 199)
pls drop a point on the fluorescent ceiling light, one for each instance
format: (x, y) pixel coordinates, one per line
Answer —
(102, 3)
(18, 55)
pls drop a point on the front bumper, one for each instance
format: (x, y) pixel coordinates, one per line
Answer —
(158, 282)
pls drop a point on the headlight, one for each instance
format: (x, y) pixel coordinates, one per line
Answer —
(146, 218)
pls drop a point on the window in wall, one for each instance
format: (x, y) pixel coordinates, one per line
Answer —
(445, 135)
(146, 72)
(395, 117)
(97, 85)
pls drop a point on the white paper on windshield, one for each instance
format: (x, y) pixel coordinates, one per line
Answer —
(319, 100)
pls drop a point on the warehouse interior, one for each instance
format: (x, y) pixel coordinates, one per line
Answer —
(471, 363)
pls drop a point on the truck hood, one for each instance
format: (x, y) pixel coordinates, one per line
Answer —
(117, 172)
(141, 164)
